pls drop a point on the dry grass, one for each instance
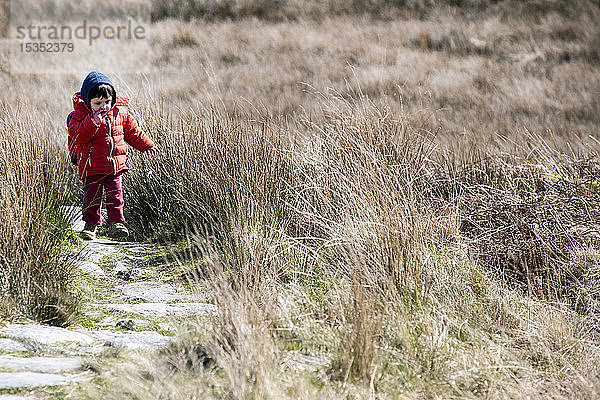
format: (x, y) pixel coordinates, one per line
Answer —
(401, 199)
(35, 275)
(353, 246)
(523, 82)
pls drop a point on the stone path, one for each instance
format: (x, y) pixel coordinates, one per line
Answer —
(132, 306)
(132, 303)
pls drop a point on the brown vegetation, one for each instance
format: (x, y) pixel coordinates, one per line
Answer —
(413, 200)
(34, 270)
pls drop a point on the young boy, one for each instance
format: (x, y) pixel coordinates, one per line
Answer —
(100, 127)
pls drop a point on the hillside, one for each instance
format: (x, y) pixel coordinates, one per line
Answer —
(382, 200)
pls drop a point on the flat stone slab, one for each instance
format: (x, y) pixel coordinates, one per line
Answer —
(12, 345)
(141, 248)
(40, 364)
(104, 244)
(132, 324)
(156, 310)
(96, 249)
(304, 362)
(13, 397)
(131, 339)
(77, 225)
(15, 380)
(153, 292)
(47, 335)
(91, 268)
(122, 268)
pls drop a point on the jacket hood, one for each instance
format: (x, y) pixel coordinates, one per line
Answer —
(93, 79)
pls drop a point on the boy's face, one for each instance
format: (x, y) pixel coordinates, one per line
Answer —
(100, 103)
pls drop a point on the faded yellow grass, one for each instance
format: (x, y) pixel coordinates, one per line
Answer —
(332, 166)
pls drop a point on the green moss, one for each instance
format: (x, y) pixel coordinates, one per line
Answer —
(13, 390)
(110, 260)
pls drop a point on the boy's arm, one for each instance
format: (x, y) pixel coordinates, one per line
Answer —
(134, 135)
(83, 130)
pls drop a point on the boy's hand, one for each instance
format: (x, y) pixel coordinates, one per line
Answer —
(152, 151)
(97, 116)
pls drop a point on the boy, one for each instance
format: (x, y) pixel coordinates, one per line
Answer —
(100, 127)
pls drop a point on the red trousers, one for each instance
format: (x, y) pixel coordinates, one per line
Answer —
(93, 186)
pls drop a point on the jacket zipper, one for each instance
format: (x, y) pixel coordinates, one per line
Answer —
(112, 143)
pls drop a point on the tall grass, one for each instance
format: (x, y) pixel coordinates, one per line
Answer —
(533, 220)
(300, 9)
(35, 272)
(420, 244)
(345, 236)
(181, 189)
(274, 10)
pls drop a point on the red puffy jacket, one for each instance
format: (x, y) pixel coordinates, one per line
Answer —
(102, 148)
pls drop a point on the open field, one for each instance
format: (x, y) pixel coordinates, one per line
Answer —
(405, 195)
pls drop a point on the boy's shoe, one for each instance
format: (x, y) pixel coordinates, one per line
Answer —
(117, 230)
(88, 232)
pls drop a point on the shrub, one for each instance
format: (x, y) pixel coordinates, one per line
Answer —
(35, 270)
